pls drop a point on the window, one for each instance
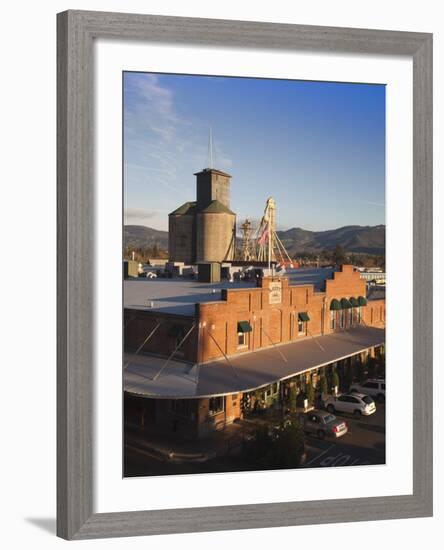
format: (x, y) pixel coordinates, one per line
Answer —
(341, 318)
(301, 327)
(333, 320)
(243, 328)
(216, 405)
(359, 314)
(302, 318)
(241, 339)
(348, 399)
(270, 391)
(350, 317)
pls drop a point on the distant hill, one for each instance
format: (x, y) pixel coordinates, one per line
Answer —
(140, 236)
(353, 238)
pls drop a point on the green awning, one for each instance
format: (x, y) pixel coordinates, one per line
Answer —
(303, 316)
(244, 326)
(335, 305)
(345, 304)
(362, 301)
(354, 302)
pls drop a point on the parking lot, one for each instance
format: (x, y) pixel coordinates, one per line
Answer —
(363, 444)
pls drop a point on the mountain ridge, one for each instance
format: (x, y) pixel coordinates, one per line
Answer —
(363, 239)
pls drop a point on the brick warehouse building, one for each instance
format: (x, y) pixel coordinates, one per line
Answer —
(194, 352)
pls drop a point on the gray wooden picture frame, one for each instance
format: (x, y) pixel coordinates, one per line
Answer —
(77, 31)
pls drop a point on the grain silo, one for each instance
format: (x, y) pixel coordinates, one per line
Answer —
(204, 230)
(182, 234)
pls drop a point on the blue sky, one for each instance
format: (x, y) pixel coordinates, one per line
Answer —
(317, 147)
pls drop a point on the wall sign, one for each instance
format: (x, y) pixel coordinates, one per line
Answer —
(275, 292)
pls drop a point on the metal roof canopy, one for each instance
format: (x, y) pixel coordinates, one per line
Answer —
(253, 370)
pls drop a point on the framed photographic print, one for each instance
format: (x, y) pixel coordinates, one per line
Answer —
(245, 274)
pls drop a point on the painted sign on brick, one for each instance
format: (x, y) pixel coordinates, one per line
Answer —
(275, 292)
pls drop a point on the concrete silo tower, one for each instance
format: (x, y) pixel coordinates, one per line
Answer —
(215, 222)
(182, 234)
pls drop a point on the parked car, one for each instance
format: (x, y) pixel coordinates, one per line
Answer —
(323, 424)
(353, 403)
(375, 387)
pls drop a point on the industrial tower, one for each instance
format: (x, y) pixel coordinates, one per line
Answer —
(269, 246)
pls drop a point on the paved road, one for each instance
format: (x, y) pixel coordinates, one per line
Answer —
(363, 444)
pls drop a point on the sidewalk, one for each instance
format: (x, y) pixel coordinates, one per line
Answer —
(176, 449)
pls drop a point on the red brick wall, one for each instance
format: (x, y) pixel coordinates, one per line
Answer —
(231, 412)
(216, 322)
(277, 323)
(374, 313)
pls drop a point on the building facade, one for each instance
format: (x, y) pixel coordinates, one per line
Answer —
(195, 372)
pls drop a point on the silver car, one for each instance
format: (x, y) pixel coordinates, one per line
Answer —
(353, 403)
(374, 387)
(323, 424)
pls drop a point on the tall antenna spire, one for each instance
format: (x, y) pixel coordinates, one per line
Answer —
(210, 148)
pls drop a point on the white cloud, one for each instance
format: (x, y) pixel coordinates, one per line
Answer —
(163, 146)
(155, 107)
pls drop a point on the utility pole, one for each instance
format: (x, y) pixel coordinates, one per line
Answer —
(210, 148)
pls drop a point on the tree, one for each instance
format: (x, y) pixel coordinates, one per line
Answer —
(353, 259)
(310, 392)
(349, 375)
(360, 370)
(381, 362)
(288, 445)
(291, 399)
(325, 256)
(279, 447)
(371, 367)
(335, 379)
(339, 255)
(324, 385)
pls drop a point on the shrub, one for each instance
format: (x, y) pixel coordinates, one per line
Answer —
(324, 385)
(291, 400)
(310, 392)
(335, 379)
(371, 367)
(281, 448)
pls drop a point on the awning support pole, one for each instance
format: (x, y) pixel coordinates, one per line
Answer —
(222, 352)
(143, 343)
(175, 350)
(277, 349)
(319, 345)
